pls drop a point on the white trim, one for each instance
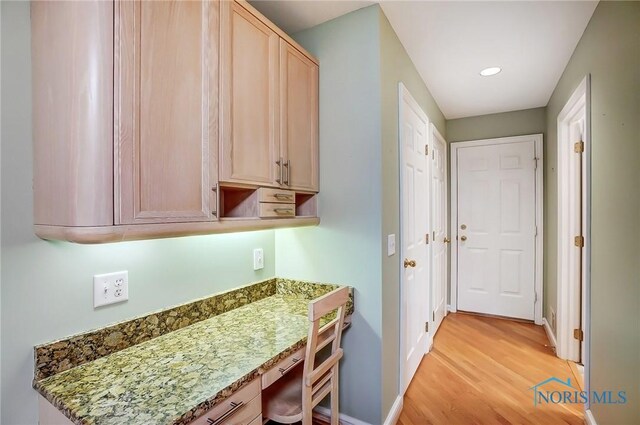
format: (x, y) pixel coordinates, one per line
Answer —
(449, 309)
(537, 138)
(404, 94)
(394, 413)
(568, 306)
(344, 419)
(588, 417)
(547, 329)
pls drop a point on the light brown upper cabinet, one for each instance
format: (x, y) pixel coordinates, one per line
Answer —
(141, 108)
(249, 124)
(269, 123)
(165, 116)
(298, 118)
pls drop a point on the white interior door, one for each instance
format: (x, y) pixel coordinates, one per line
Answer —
(496, 229)
(415, 219)
(439, 244)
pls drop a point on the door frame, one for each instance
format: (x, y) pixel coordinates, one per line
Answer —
(539, 183)
(403, 93)
(435, 134)
(567, 305)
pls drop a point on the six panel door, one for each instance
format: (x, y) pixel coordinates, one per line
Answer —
(496, 228)
(166, 91)
(299, 118)
(250, 122)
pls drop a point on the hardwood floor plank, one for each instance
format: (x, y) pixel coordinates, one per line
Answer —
(480, 371)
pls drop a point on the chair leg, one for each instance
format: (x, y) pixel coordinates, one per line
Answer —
(307, 406)
(335, 411)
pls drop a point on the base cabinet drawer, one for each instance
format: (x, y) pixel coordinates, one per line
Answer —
(283, 367)
(241, 408)
(266, 194)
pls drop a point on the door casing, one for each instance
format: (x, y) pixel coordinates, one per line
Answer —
(537, 139)
(568, 309)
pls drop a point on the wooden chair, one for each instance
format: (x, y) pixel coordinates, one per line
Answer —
(292, 398)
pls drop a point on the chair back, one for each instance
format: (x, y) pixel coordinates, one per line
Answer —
(319, 379)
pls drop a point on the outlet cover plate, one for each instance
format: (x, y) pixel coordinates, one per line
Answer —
(110, 288)
(258, 259)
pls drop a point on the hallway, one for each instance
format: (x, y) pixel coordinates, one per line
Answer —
(480, 371)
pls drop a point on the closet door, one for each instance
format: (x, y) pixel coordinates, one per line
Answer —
(249, 122)
(166, 111)
(299, 118)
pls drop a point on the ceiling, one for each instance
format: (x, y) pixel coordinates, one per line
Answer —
(450, 42)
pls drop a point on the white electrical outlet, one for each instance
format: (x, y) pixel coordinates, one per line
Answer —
(110, 288)
(391, 245)
(258, 259)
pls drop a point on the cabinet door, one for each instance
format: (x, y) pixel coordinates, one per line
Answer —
(249, 123)
(299, 118)
(166, 111)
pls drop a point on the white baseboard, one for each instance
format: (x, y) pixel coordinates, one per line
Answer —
(450, 309)
(588, 418)
(394, 413)
(344, 419)
(547, 329)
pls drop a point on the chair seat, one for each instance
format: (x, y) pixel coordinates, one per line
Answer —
(282, 400)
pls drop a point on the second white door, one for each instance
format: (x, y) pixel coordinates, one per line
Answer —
(496, 229)
(414, 127)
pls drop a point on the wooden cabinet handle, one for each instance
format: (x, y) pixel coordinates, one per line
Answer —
(283, 197)
(280, 163)
(234, 407)
(288, 165)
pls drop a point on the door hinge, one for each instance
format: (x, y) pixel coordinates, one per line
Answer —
(535, 162)
(578, 334)
(426, 326)
(427, 238)
(578, 147)
(535, 296)
(579, 241)
(426, 150)
(433, 316)
(433, 235)
(536, 234)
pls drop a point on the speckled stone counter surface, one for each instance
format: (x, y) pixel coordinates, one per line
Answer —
(173, 378)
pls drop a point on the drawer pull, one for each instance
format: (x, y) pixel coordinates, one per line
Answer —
(294, 361)
(234, 407)
(283, 196)
(283, 210)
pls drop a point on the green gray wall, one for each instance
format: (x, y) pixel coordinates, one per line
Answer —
(47, 287)
(515, 123)
(609, 50)
(346, 247)
(396, 67)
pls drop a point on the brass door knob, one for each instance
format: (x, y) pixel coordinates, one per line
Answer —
(463, 238)
(446, 240)
(409, 263)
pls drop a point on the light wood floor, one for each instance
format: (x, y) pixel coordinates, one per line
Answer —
(479, 372)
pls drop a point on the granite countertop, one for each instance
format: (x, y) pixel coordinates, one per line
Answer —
(175, 377)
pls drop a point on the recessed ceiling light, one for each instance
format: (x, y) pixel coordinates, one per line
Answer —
(487, 72)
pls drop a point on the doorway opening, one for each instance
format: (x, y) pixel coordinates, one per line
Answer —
(496, 211)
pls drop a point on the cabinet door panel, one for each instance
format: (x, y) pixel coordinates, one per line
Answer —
(299, 118)
(249, 98)
(166, 110)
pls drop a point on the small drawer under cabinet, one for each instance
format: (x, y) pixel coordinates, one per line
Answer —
(283, 367)
(243, 407)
